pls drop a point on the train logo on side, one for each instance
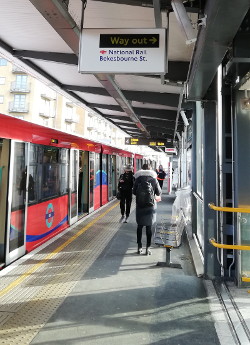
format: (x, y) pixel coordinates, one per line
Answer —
(49, 216)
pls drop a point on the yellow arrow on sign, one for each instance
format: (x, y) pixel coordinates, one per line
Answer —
(153, 40)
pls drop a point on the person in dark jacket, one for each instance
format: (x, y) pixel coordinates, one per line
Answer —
(146, 216)
(160, 175)
(125, 185)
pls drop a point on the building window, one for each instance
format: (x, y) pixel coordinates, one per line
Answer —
(21, 81)
(19, 101)
(1, 99)
(69, 127)
(47, 108)
(3, 62)
(2, 80)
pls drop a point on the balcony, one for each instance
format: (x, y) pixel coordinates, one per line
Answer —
(18, 108)
(71, 118)
(47, 114)
(17, 87)
(50, 96)
(16, 69)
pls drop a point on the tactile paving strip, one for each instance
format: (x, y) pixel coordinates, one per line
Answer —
(26, 308)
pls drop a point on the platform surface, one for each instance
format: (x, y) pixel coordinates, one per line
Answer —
(91, 287)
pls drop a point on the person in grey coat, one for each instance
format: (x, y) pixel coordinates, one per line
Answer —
(146, 216)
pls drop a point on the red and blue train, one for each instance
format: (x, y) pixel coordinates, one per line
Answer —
(50, 179)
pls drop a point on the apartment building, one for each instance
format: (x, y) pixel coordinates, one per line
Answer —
(27, 98)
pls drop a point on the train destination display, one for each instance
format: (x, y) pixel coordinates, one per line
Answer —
(146, 141)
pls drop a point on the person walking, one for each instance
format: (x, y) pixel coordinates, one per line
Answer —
(125, 185)
(146, 187)
(161, 175)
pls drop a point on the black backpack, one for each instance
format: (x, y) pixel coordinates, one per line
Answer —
(145, 194)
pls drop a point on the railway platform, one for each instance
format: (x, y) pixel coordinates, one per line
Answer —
(89, 286)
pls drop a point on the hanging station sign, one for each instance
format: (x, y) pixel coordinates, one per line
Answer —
(123, 51)
(170, 150)
(146, 141)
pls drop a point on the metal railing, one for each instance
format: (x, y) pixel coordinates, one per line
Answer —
(18, 108)
(238, 210)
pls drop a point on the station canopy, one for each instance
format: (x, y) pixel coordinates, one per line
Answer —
(44, 38)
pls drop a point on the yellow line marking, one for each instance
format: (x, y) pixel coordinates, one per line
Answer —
(49, 256)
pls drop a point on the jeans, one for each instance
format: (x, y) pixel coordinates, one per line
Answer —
(139, 235)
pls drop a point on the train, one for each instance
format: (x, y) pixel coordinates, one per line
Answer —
(49, 180)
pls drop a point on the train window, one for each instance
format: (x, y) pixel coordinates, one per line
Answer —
(33, 184)
(33, 154)
(50, 155)
(48, 173)
(64, 156)
(64, 171)
(50, 181)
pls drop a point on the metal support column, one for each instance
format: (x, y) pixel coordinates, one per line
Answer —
(211, 264)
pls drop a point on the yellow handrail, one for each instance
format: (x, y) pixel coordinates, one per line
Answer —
(229, 209)
(228, 246)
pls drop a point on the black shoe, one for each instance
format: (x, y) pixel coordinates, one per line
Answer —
(139, 251)
(148, 251)
(126, 219)
(122, 219)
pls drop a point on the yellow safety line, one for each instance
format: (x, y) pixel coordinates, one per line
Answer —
(49, 256)
(229, 209)
(228, 246)
(245, 279)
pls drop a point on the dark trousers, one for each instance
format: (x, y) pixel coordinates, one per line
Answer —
(139, 235)
(125, 202)
(160, 183)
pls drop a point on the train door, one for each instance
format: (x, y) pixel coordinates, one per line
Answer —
(104, 179)
(97, 185)
(73, 186)
(91, 180)
(17, 202)
(4, 175)
(114, 177)
(110, 188)
(83, 184)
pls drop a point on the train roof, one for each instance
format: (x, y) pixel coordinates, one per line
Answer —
(13, 128)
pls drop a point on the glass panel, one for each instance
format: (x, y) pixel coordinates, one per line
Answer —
(50, 173)
(85, 182)
(21, 80)
(33, 174)
(245, 240)
(114, 175)
(189, 166)
(199, 148)
(200, 223)
(64, 171)
(19, 101)
(91, 179)
(17, 221)
(110, 176)
(74, 170)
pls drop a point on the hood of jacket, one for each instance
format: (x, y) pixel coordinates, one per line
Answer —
(151, 173)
